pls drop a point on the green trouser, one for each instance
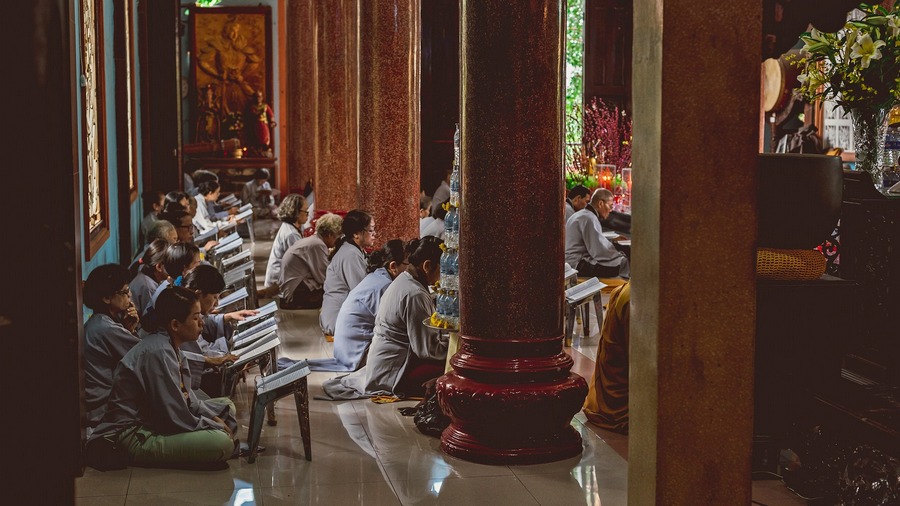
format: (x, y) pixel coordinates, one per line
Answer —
(188, 448)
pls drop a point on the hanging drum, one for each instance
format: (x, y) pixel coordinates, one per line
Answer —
(779, 81)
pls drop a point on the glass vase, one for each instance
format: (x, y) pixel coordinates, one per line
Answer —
(869, 127)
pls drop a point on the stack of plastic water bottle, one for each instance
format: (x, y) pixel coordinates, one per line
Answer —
(448, 294)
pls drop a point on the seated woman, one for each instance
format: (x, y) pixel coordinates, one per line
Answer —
(211, 350)
(203, 219)
(404, 353)
(292, 212)
(356, 319)
(151, 272)
(153, 413)
(607, 402)
(153, 201)
(304, 263)
(348, 265)
(260, 194)
(108, 334)
(181, 258)
(436, 227)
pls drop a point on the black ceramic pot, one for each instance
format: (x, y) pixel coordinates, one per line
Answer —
(799, 199)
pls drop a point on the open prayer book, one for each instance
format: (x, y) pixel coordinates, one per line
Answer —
(256, 349)
(228, 225)
(238, 274)
(610, 234)
(243, 215)
(570, 272)
(583, 290)
(204, 237)
(221, 249)
(233, 260)
(282, 378)
(246, 207)
(266, 312)
(229, 199)
(232, 298)
(242, 339)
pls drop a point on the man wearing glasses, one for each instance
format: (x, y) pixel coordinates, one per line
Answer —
(587, 249)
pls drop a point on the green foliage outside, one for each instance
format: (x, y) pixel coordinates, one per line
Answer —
(574, 73)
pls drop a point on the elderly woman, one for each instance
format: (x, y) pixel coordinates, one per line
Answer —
(404, 352)
(348, 265)
(304, 264)
(356, 321)
(292, 213)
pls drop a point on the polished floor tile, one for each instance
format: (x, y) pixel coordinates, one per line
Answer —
(97, 483)
(235, 497)
(493, 491)
(107, 500)
(364, 494)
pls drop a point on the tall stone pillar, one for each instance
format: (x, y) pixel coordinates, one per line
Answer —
(696, 121)
(389, 115)
(303, 92)
(511, 396)
(335, 181)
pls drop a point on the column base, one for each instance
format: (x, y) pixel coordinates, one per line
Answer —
(560, 445)
(511, 423)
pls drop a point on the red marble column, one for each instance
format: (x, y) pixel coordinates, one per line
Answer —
(302, 92)
(511, 396)
(335, 181)
(389, 127)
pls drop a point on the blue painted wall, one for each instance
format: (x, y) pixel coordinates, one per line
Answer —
(109, 252)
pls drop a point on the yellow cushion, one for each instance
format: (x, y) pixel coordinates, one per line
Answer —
(789, 264)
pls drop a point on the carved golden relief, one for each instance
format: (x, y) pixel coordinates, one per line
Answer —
(90, 124)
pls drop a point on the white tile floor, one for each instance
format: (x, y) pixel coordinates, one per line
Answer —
(367, 453)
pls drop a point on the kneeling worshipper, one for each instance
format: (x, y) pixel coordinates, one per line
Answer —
(153, 415)
(108, 334)
(259, 193)
(181, 258)
(303, 266)
(348, 265)
(587, 249)
(356, 319)
(292, 212)
(607, 402)
(404, 353)
(151, 272)
(436, 227)
(211, 350)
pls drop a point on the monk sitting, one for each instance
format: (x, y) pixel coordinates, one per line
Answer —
(607, 402)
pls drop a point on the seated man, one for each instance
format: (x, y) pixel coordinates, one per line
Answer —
(586, 248)
(607, 402)
(259, 193)
(576, 200)
(153, 414)
(303, 266)
(425, 217)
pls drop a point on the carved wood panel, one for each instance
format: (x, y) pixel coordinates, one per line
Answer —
(608, 28)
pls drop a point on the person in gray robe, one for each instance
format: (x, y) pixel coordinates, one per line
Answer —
(108, 334)
(153, 413)
(436, 227)
(442, 193)
(587, 249)
(355, 323)
(576, 200)
(348, 265)
(292, 212)
(260, 194)
(404, 353)
(304, 264)
(151, 273)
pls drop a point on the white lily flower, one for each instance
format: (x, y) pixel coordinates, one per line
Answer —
(893, 23)
(866, 50)
(813, 40)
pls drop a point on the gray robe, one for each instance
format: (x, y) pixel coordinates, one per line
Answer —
(435, 229)
(585, 241)
(346, 270)
(213, 341)
(286, 236)
(152, 389)
(105, 343)
(304, 262)
(142, 289)
(399, 334)
(355, 324)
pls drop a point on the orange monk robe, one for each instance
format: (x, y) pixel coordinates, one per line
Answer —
(607, 401)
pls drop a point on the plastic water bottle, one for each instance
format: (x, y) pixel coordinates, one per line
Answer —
(454, 186)
(891, 146)
(453, 309)
(442, 305)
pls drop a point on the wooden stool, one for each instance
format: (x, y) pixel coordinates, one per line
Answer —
(580, 296)
(290, 381)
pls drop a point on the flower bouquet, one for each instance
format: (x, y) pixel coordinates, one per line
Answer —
(857, 67)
